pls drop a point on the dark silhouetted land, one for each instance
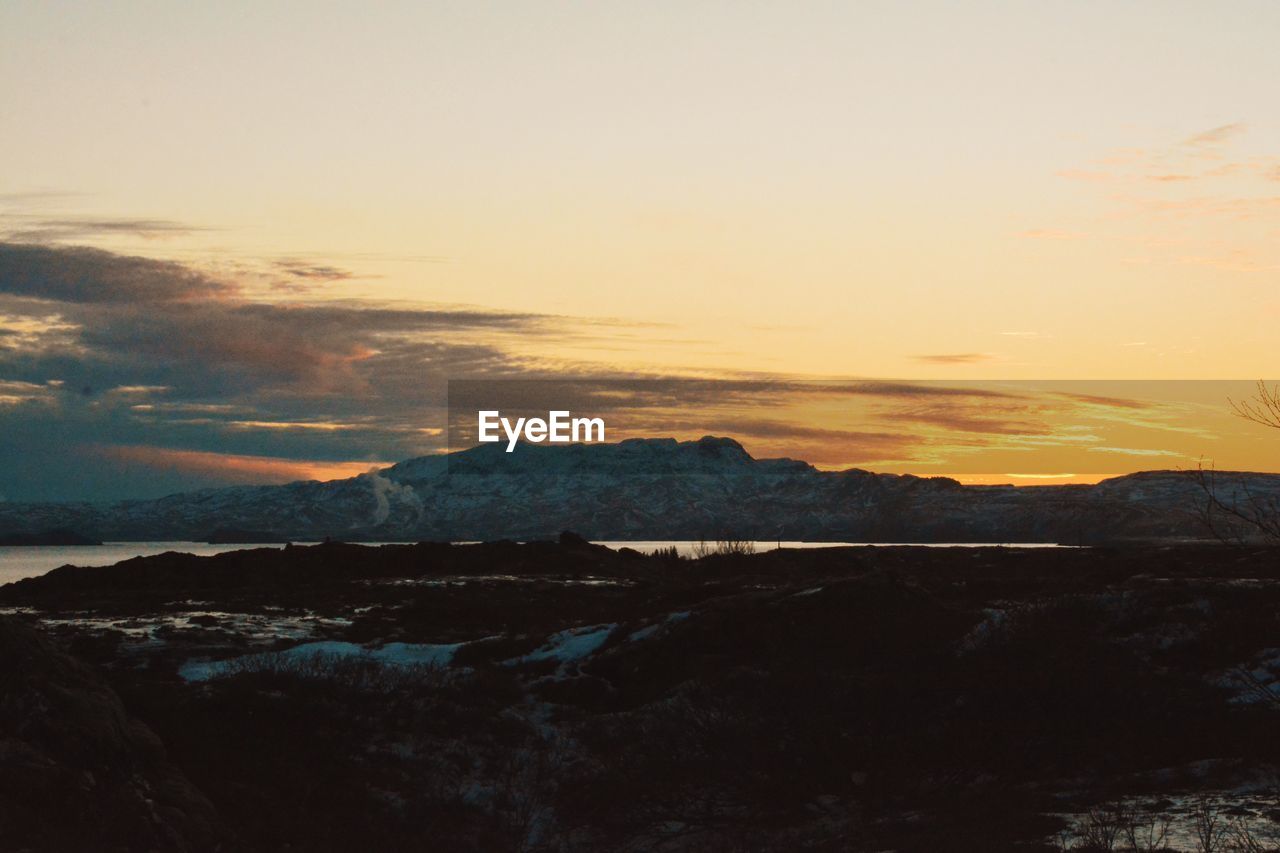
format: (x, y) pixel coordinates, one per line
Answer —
(563, 696)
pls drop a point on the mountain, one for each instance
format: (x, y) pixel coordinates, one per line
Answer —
(658, 489)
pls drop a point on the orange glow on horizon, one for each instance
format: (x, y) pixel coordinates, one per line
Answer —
(236, 467)
(1029, 479)
(984, 479)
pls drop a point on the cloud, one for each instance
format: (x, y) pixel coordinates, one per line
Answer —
(826, 422)
(26, 197)
(765, 437)
(138, 321)
(907, 390)
(82, 275)
(1052, 234)
(1237, 208)
(972, 420)
(17, 393)
(126, 376)
(53, 230)
(610, 393)
(312, 271)
(1111, 402)
(1238, 260)
(1135, 451)
(116, 350)
(143, 390)
(232, 468)
(1215, 136)
(954, 358)
(324, 426)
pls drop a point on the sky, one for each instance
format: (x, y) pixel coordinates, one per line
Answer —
(251, 242)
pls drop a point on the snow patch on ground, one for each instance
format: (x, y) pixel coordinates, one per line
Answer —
(649, 630)
(201, 670)
(643, 633)
(417, 654)
(569, 646)
(993, 620)
(391, 654)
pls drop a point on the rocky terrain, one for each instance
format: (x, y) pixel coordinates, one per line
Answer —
(561, 696)
(77, 772)
(657, 489)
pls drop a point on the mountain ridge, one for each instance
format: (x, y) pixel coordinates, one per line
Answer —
(655, 488)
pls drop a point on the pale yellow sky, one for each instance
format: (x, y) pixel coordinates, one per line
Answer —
(1057, 189)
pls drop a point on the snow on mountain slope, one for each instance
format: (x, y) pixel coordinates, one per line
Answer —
(653, 489)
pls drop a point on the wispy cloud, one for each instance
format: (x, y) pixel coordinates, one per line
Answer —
(969, 420)
(230, 467)
(311, 270)
(1239, 260)
(1158, 191)
(1052, 234)
(78, 275)
(42, 197)
(1215, 136)
(1108, 402)
(54, 230)
(1136, 451)
(954, 358)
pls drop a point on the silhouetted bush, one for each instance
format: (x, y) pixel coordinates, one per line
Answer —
(723, 548)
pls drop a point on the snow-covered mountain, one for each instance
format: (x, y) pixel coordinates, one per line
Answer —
(655, 489)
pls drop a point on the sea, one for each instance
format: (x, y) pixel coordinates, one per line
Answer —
(18, 562)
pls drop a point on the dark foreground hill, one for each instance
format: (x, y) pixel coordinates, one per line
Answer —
(76, 771)
(659, 489)
(566, 697)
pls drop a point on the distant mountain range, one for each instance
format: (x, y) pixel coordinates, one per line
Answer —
(654, 489)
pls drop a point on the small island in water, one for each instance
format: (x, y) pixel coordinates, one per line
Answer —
(239, 536)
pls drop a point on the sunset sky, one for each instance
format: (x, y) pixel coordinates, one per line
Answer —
(250, 242)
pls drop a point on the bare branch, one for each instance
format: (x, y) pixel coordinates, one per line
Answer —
(1263, 409)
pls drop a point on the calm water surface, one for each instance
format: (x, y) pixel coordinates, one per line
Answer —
(17, 563)
(28, 562)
